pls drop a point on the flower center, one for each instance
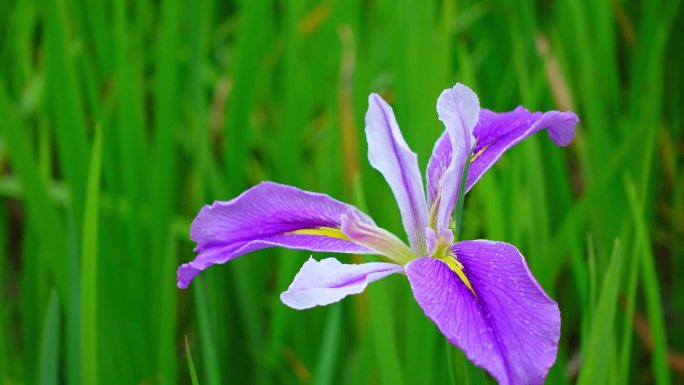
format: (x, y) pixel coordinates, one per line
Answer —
(442, 250)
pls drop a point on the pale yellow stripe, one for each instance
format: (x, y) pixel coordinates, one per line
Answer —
(457, 268)
(324, 231)
(472, 159)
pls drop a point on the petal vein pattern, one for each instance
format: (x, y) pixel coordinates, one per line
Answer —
(389, 154)
(322, 283)
(267, 215)
(511, 328)
(497, 132)
(458, 108)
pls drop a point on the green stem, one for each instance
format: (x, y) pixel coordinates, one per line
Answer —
(458, 210)
(461, 370)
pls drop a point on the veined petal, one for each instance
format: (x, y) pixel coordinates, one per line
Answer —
(458, 108)
(497, 132)
(268, 214)
(389, 154)
(322, 283)
(509, 326)
(431, 241)
(440, 160)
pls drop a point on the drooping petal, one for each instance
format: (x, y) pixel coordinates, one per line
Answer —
(374, 238)
(389, 154)
(509, 326)
(268, 214)
(497, 132)
(322, 283)
(458, 108)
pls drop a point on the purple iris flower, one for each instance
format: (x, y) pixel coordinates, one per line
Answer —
(479, 293)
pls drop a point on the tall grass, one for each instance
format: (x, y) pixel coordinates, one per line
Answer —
(119, 120)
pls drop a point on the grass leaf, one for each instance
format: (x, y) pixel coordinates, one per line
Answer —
(599, 342)
(191, 365)
(48, 373)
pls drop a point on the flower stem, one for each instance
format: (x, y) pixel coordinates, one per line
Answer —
(461, 370)
(458, 210)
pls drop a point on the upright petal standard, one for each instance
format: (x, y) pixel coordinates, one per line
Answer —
(389, 154)
(480, 294)
(458, 109)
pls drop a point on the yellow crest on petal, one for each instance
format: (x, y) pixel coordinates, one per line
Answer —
(457, 267)
(323, 231)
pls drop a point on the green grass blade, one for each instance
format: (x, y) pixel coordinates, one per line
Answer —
(48, 373)
(6, 343)
(600, 340)
(207, 335)
(41, 214)
(250, 48)
(89, 272)
(65, 101)
(68, 121)
(191, 365)
(458, 209)
(163, 182)
(652, 293)
(630, 293)
(130, 148)
(383, 334)
(330, 346)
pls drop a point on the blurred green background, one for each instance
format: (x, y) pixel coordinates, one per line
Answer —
(120, 119)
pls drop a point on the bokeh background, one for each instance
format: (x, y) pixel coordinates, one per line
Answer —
(120, 119)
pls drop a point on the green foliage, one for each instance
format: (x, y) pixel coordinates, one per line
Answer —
(191, 364)
(90, 255)
(49, 347)
(197, 101)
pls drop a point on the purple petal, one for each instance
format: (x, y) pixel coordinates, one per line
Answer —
(431, 241)
(434, 240)
(439, 161)
(322, 283)
(389, 154)
(458, 108)
(497, 132)
(510, 326)
(268, 214)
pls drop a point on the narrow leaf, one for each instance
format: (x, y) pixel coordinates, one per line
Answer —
(89, 259)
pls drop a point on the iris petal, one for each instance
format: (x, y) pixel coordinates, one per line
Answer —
(389, 154)
(322, 283)
(510, 327)
(458, 108)
(268, 215)
(497, 132)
